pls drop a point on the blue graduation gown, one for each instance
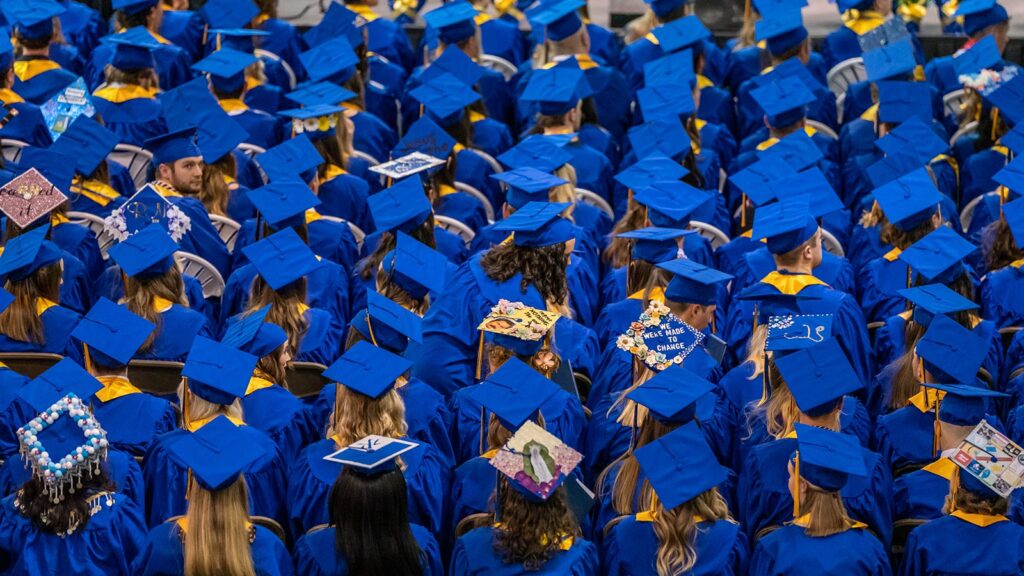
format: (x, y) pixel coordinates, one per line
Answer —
(490, 136)
(879, 283)
(42, 80)
(134, 420)
(28, 125)
(134, 120)
(121, 468)
(790, 551)
(311, 478)
(372, 135)
(81, 25)
(327, 288)
(184, 28)
(264, 130)
(109, 542)
(474, 555)
(979, 168)
(383, 88)
(472, 487)
(344, 195)
(173, 64)
(322, 341)
(904, 437)
(163, 553)
(316, 553)
(330, 240)
(81, 243)
(951, 545)
(167, 479)
(631, 549)
(835, 271)
(282, 416)
(462, 207)
(472, 169)
(1000, 296)
(58, 323)
(101, 199)
(283, 41)
(922, 493)
(890, 345)
(202, 239)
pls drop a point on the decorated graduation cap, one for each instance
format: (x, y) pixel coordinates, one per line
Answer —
(427, 137)
(650, 169)
(659, 339)
(692, 282)
(898, 101)
(145, 254)
(939, 255)
(818, 376)
(528, 184)
(785, 225)
(671, 204)
(893, 60)
(34, 193)
(963, 404)
(790, 332)
(538, 224)
(32, 19)
(980, 14)
(666, 100)
(454, 21)
(368, 369)
(782, 29)
(797, 150)
(784, 101)
(173, 146)
(913, 136)
(661, 136)
(88, 142)
(537, 152)
(535, 462)
(316, 122)
(111, 334)
(220, 14)
(403, 206)
(983, 54)
(951, 353)
(1013, 213)
(338, 21)
(387, 324)
(445, 97)
(415, 267)
(680, 465)
(518, 327)
(930, 300)
(254, 335)
(556, 90)
(216, 372)
(333, 61)
(281, 258)
(687, 32)
(671, 395)
(218, 453)
(226, 68)
(133, 49)
(313, 93)
(653, 244)
(910, 200)
(283, 203)
(296, 157)
(560, 19)
(25, 254)
(827, 459)
(372, 455)
(514, 393)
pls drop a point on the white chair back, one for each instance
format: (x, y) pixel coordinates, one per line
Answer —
(137, 160)
(201, 269)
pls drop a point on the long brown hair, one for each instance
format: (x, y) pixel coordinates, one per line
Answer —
(904, 382)
(779, 409)
(215, 192)
(998, 246)
(144, 77)
(140, 296)
(617, 254)
(624, 487)
(392, 291)
(70, 514)
(827, 511)
(274, 368)
(332, 148)
(543, 267)
(20, 321)
(676, 530)
(284, 307)
(368, 266)
(531, 533)
(357, 416)
(218, 538)
(971, 502)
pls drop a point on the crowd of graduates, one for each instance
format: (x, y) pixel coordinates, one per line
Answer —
(576, 304)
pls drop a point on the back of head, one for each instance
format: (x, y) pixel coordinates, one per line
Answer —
(218, 536)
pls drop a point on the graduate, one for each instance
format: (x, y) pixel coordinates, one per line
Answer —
(215, 535)
(220, 192)
(37, 77)
(215, 379)
(268, 405)
(862, 16)
(74, 522)
(687, 527)
(127, 102)
(100, 186)
(369, 530)
(282, 38)
(266, 81)
(184, 28)
(227, 70)
(140, 21)
(981, 20)
(366, 402)
(110, 336)
(822, 538)
(27, 123)
(999, 288)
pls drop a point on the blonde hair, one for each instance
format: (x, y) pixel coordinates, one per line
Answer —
(195, 408)
(284, 308)
(21, 320)
(676, 530)
(218, 539)
(826, 509)
(779, 409)
(617, 254)
(140, 296)
(215, 192)
(357, 416)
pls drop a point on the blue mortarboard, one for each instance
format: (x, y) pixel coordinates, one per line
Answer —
(296, 157)
(665, 100)
(133, 49)
(427, 137)
(680, 465)
(786, 225)
(827, 458)
(416, 267)
(951, 353)
(556, 90)
(281, 258)
(188, 104)
(173, 146)
(693, 283)
(56, 167)
(687, 32)
(337, 21)
(932, 299)
(812, 186)
(789, 332)
(655, 245)
(671, 204)
(445, 97)
(1012, 175)
(818, 376)
(226, 68)
(514, 393)
(1008, 97)
(149, 252)
(782, 30)
(538, 224)
(221, 14)
(313, 93)
(454, 21)
(372, 455)
(898, 101)
(771, 302)
(252, 334)
(1013, 213)
(25, 254)
(914, 136)
(334, 61)
(58, 381)
(317, 121)
(455, 62)
(757, 179)
(284, 202)
(891, 167)
(797, 150)
(671, 395)
(845, 5)
(963, 404)
(560, 19)
(6, 49)
(386, 324)
(404, 206)
(1014, 139)
(983, 54)
(536, 152)
(241, 39)
(218, 134)
(218, 453)
(784, 101)
(216, 372)
(32, 19)
(133, 6)
(909, 200)
(895, 60)
(980, 14)
(527, 185)
(88, 142)
(367, 369)
(112, 332)
(665, 137)
(939, 255)
(672, 69)
(649, 170)
(664, 7)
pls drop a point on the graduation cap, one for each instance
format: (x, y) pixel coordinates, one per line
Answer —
(757, 180)
(514, 393)
(32, 195)
(891, 167)
(671, 204)
(63, 378)
(88, 142)
(427, 137)
(771, 302)
(680, 465)
(173, 146)
(221, 14)
(939, 255)
(664, 7)
(686, 32)
(313, 93)
(661, 136)
(131, 7)
(188, 104)
(951, 353)
(6, 49)
(812, 186)
(659, 338)
(373, 454)
(692, 282)
(28, 252)
(1014, 139)
(32, 19)
(226, 68)
(560, 19)
(217, 372)
(333, 61)
(963, 404)
(338, 21)
(655, 167)
(790, 332)
(387, 324)
(797, 150)
(241, 39)
(404, 206)
(445, 97)
(252, 334)
(671, 69)
(367, 369)
(218, 453)
(782, 29)
(889, 31)
(518, 327)
(536, 151)
(909, 200)
(893, 60)
(1012, 175)
(914, 136)
(785, 225)
(784, 101)
(316, 122)
(528, 184)
(930, 300)
(455, 62)
(556, 90)
(416, 267)
(983, 54)
(666, 100)
(535, 462)
(898, 101)
(827, 459)
(133, 49)
(980, 14)
(655, 245)
(112, 333)
(818, 376)
(283, 203)
(454, 21)
(218, 135)
(296, 157)
(671, 395)
(145, 254)
(538, 224)
(281, 258)
(1013, 213)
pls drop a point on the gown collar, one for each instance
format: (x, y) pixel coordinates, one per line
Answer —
(115, 387)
